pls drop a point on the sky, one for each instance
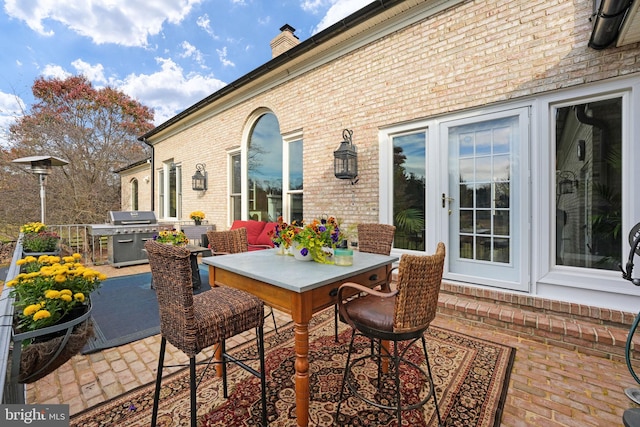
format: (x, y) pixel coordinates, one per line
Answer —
(166, 54)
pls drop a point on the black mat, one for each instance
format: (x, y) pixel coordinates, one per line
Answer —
(125, 309)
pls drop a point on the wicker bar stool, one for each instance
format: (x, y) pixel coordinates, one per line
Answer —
(194, 322)
(232, 242)
(374, 239)
(402, 315)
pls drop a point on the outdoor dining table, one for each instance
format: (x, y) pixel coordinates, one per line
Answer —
(299, 289)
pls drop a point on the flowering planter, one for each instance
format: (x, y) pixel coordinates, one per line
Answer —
(50, 347)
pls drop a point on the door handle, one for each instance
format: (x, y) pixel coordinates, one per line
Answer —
(446, 200)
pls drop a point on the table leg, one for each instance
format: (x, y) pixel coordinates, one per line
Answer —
(301, 346)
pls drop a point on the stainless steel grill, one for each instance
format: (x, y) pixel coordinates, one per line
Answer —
(126, 231)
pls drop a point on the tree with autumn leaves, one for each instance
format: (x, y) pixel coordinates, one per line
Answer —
(95, 130)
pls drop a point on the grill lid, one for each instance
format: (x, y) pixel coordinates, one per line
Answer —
(132, 217)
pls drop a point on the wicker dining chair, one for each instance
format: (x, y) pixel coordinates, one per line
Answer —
(375, 239)
(192, 323)
(401, 315)
(235, 241)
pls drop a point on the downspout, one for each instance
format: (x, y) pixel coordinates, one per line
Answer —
(608, 21)
(153, 176)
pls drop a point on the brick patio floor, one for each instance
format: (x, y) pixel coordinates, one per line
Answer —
(550, 385)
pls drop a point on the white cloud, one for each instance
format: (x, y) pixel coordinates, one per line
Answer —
(339, 9)
(222, 54)
(54, 71)
(205, 23)
(190, 51)
(122, 22)
(168, 91)
(11, 107)
(314, 6)
(95, 73)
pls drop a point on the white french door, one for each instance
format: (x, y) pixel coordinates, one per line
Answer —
(485, 200)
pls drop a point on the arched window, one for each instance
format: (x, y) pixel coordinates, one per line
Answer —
(134, 194)
(264, 169)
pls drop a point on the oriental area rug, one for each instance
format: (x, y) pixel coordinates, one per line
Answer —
(471, 377)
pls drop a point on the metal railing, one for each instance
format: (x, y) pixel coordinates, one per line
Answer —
(75, 238)
(10, 392)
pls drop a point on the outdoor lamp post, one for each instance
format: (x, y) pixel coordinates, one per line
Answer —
(345, 158)
(41, 166)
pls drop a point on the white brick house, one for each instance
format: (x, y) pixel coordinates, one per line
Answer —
(519, 137)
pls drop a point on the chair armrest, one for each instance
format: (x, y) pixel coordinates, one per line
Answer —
(361, 290)
(260, 246)
(219, 253)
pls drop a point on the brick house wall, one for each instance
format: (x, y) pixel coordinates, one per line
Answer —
(142, 173)
(470, 55)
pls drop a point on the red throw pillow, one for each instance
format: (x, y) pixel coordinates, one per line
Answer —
(263, 238)
(254, 228)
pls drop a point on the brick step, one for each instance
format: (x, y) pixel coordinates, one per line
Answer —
(571, 327)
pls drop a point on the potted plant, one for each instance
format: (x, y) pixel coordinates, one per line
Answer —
(172, 237)
(37, 240)
(197, 217)
(283, 235)
(318, 239)
(52, 310)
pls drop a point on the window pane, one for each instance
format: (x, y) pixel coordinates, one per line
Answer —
(295, 165)
(173, 192)
(409, 185)
(265, 169)
(295, 202)
(588, 184)
(236, 183)
(134, 195)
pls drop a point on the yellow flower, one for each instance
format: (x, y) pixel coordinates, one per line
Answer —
(60, 278)
(68, 259)
(52, 294)
(102, 277)
(11, 283)
(66, 298)
(79, 297)
(66, 292)
(76, 256)
(31, 309)
(41, 314)
(21, 261)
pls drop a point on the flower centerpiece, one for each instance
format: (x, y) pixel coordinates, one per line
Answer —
(172, 237)
(197, 216)
(52, 312)
(319, 238)
(283, 234)
(36, 238)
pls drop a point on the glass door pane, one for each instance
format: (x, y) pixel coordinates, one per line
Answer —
(485, 200)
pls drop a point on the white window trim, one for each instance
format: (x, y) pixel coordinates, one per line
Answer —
(563, 282)
(230, 154)
(286, 193)
(165, 196)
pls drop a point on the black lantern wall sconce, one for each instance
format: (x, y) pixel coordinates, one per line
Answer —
(199, 179)
(567, 180)
(345, 158)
